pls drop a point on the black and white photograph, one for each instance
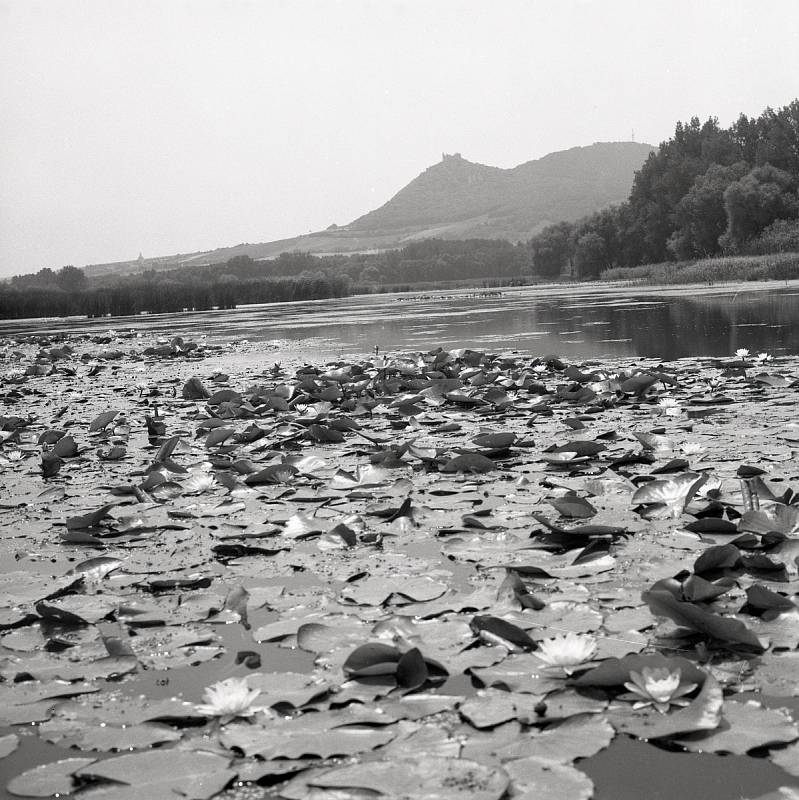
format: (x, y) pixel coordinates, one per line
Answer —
(399, 399)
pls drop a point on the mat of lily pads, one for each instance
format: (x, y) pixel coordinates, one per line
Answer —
(452, 574)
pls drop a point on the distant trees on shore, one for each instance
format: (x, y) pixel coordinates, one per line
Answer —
(163, 293)
(706, 191)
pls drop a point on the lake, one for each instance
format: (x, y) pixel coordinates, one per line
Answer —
(577, 322)
(581, 322)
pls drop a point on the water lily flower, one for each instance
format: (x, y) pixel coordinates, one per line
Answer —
(567, 652)
(540, 369)
(764, 357)
(669, 406)
(692, 448)
(229, 699)
(659, 687)
(742, 352)
(199, 482)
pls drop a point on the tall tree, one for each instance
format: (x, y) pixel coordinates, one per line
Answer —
(760, 197)
(666, 177)
(71, 279)
(552, 249)
(701, 217)
(590, 255)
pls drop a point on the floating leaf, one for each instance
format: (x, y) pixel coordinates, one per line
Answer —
(744, 727)
(427, 776)
(8, 744)
(193, 389)
(573, 507)
(534, 777)
(65, 447)
(48, 780)
(580, 447)
(217, 436)
(105, 737)
(162, 773)
(702, 714)
(102, 421)
(274, 473)
(322, 734)
(95, 569)
(576, 737)
(616, 671)
(322, 433)
(497, 631)
(374, 658)
(469, 462)
(495, 441)
(51, 464)
(90, 520)
(672, 494)
(723, 629)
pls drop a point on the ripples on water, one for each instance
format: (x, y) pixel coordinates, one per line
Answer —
(612, 322)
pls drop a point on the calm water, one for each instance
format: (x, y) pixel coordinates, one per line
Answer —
(577, 322)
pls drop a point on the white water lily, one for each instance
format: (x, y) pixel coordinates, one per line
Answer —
(692, 448)
(659, 687)
(764, 357)
(540, 369)
(199, 482)
(742, 352)
(669, 406)
(567, 652)
(229, 699)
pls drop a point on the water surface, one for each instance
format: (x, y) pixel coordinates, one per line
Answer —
(576, 322)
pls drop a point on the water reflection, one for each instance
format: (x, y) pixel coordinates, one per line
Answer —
(577, 323)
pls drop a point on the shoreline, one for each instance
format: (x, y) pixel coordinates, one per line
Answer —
(553, 289)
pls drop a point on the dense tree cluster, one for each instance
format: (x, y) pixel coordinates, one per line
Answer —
(240, 280)
(427, 260)
(164, 293)
(707, 190)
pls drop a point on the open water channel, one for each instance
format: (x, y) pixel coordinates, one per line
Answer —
(575, 322)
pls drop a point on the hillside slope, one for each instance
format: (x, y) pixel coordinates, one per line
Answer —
(456, 199)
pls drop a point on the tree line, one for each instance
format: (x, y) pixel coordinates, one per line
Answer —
(706, 191)
(157, 293)
(241, 280)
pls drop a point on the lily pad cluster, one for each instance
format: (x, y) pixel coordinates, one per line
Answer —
(482, 567)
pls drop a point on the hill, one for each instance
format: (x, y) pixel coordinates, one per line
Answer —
(457, 199)
(460, 199)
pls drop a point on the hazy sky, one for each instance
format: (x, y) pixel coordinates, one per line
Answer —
(167, 126)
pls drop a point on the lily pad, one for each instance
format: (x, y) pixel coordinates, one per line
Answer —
(48, 780)
(158, 774)
(743, 727)
(428, 776)
(533, 777)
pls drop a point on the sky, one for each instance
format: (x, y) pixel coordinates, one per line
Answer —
(171, 126)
